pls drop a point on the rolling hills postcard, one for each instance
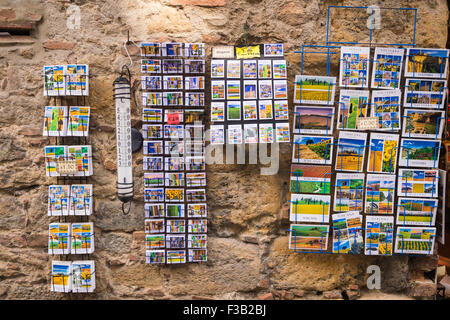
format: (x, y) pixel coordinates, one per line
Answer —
(310, 179)
(310, 208)
(419, 153)
(314, 90)
(313, 120)
(308, 237)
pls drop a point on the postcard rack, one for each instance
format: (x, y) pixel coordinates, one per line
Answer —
(380, 207)
(69, 159)
(173, 88)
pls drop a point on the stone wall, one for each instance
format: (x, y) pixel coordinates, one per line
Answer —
(248, 255)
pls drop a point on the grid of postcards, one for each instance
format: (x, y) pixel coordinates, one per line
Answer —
(173, 85)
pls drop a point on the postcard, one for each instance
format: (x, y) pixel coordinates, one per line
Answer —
(150, 49)
(173, 179)
(217, 111)
(233, 69)
(152, 131)
(426, 63)
(153, 163)
(153, 179)
(83, 276)
(154, 225)
(312, 149)
(281, 108)
(172, 83)
(151, 83)
(194, 132)
(197, 210)
(172, 66)
(423, 123)
(419, 153)
(440, 216)
(154, 241)
(279, 69)
(314, 89)
(264, 69)
(416, 211)
(250, 69)
(379, 235)
(55, 121)
(273, 50)
(282, 132)
(425, 93)
(175, 210)
(383, 152)
(386, 106)
(175, 241)
(355, 65)
(415, 240)
(351, 149)
(217, 68)
(235, 134)
(81, 200)
(194, 115)
(197, 240)
(418, 183)
(280, 89)
(349, 192)
(251, 133)
(198, 255)
(174, 148)
(172, 49)
(54, 154)
(250, 89)
(58, 200)
(174, 195)
(176, 226)
(177, 256)
(380, 193)
(153, 147)
(82, 238)
(233, 90)
(195, 195)
(77, 80)
(151, 66)
(61, 276)
(265, 109)
(194, 66)
(154, 194)
(194, 83)
(308, 237)
(197, 226)
(194, 99)
(59, 238)
(250, 110)
(265, 89)
(78, 121)
(196, 179)
(217, 134)
(82, 155)
(313, 120)
(353, 104)
(173, 98)
(310, 208)
(155, 256)
(54, 80)
(194, 49)
(152, 98)
(266, 133)
(310, 179)
(154, 210)
(151, 115)
(387, 68)
(217, 89)
(348, 233)
(195, 163)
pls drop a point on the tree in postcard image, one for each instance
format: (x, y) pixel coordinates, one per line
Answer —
(420, 150)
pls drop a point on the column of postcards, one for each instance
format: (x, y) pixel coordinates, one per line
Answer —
(174, 152)
(67, 120)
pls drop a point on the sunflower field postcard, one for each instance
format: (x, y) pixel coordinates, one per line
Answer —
(415, 240)
(310, 208)
(314, 89)
(312, 149)
(383, 151)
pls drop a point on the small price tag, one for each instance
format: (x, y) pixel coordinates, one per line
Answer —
(66, 167)
(368, 123)
(173, 118)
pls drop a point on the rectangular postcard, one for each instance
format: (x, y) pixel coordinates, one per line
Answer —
(281, 110)
(173, 82)
(310, 208)
(423, 123)
(198, 255)
(152, 131)
(173, 116)
(194, 99)
(172, 66)
(77, 80)
(379, 235)
(152, 98)
(250, 69)
(416, 211)
(383, 152)
(282, 132)
(153, 147)
(419, 153)
(194, 49)
(197, 241)
(279, 69)
(83, 276)
(217, 111)
(380, 193)
(61, 276)
(154, 241)
(176, 256)
(218, 89)
(151, 83)
(196, 179)
(234, 134)
(154, 179)
(426, 63)
(176, 226)
(149, 49)
(233, 90)
(175, 210)
(154, 225)
(172, 98)
(308, 237)
(280, 89)
(265, 109)
(153, 194)
(415, 240)
(172, 49)
(312, 149)
(151, 66)
(266, 133)
(197, 226)
(313, 120)
(197, 210)
(355, 66)
(233, 69)
(58, 200)
(310, 179)
(217, 134)
(314, 89)
(273, 50)
(59, 238)
(349, 192)
(194, 66)
(196, 195)
(174, 194)
(78, 121)
(54, 80)
(172, 131)
(348, 233)
(153, 163)
(194, 83)
(264, 69)
(155, 256)
(351, 149)
(54, 154)
(195, 163)
(440, 215)
(250, 89)
(175, 241)
(425, 93)
(82, 155)
(387, 68)
(81, 200)
(386, 106)
(55, 121)
(265, 89)
(194, 115)
(217, 68)
(251, 133)
(82, 238)
(154, 210)
(418, 183)
(174, 179)
(353, 104)
(152, 115)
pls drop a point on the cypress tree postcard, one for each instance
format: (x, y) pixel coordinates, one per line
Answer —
(353, 104)
(416, 211)
(82, 238)
(419, 153)
(55, 121)
(423, 123)
(310, 179)
(383, 151)
(418, 183)
(415, 240)
(78, 121)
(348, 192)
(314, 89)
(379, 235)
(425, 93)
(350, 151)
(308, 237)
(310, 208)
(380, 193)
(427, 63)
(313, 120)
(312, 149)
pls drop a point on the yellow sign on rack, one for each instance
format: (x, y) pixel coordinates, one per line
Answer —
(247, 52)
